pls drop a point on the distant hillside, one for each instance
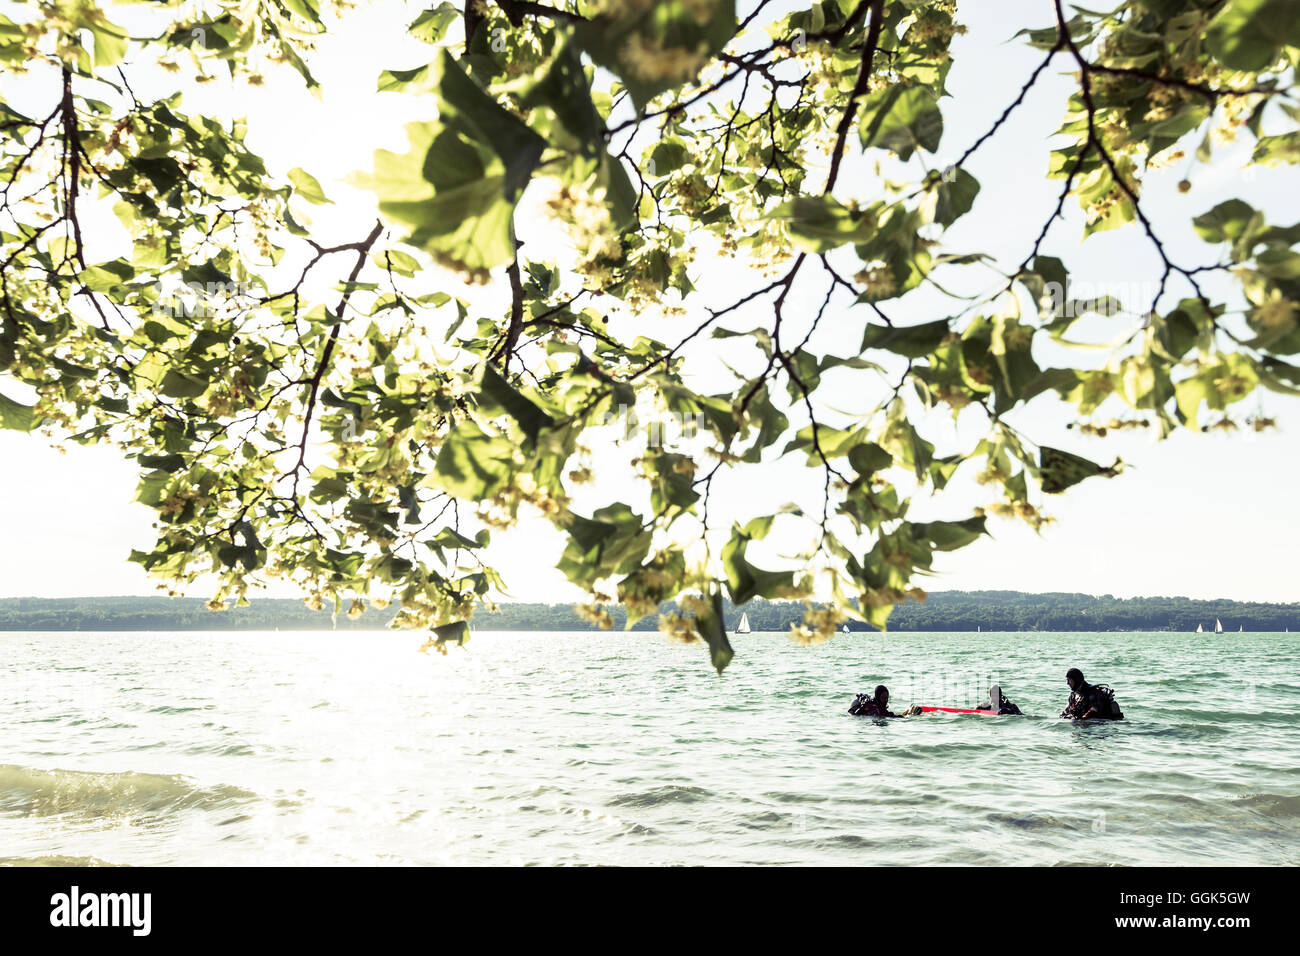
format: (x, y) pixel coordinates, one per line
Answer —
(944, 611)
(1059, 611)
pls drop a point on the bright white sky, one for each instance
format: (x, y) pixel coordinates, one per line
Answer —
(1199, 515)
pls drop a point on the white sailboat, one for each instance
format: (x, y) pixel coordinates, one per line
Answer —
(1239, 628)
(844, 629)
(743, 626)
(1199, 629)
(1218, 626)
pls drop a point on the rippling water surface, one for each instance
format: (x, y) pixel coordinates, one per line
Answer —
(298, 748)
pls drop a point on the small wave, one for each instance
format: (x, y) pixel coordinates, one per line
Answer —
(1194, 732)
(1273, 804)
(168, 709)
(662, 795)
(1166, 777)
(852, 841)
(224, 750)
(1089, 862)
(1035, 822)
(56, 860)
(81, 795)
(1201, 717)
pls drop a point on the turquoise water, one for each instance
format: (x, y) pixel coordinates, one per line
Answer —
(581, 748)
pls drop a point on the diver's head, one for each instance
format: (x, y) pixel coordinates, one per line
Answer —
(1074, 677)
(881, 695)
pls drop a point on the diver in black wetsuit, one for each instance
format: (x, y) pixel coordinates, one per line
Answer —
(1089, 701)
(999, 704)
(877, 705)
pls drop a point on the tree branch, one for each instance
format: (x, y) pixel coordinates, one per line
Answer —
(362, 248)
(516, 325)
(859, 87)
(516, 10)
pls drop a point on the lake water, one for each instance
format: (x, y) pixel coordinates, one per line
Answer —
(614, 748)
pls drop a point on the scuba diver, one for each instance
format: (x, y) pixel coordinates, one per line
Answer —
(1089, 701)
(877, 705)
(999, 704)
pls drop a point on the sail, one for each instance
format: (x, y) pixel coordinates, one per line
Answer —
(743, 626)
(1218, 626)
(1199, 629)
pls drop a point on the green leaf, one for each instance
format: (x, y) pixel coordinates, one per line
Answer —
(416, 80)
(472, 464)
(178, 384)
(1249, 34)
(1060, 380)
(633, 40)
(745, 581)
(457, 633)
(869, 458)
(110, 44)
(1280, 376)
(950, 535)
(1177, 332)
(1275, 150)
(565, 89)
(614, 540)
(306, 9)
(877, 615)
(107, 276)
(713, 630)
(432, 24)
(772, 424)
(671, 488)
(953, 197)
(463, 106)
(1047, 37)
(307, 186)
(820, 223)
(498, 397)
(152, 488)
(170, 463)
(458, 185)
(901, 119)
(913, 341)
(15, 415)
(1047, 280)
(1226, 222)
(206, 274)
(1059, 469)
(669, 155)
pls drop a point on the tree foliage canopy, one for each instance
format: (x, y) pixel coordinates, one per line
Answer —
(358, 418)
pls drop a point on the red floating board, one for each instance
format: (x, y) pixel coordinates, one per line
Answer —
(958, 710)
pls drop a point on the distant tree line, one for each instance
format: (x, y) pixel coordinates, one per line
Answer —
(943, 611)
(1059, 611)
